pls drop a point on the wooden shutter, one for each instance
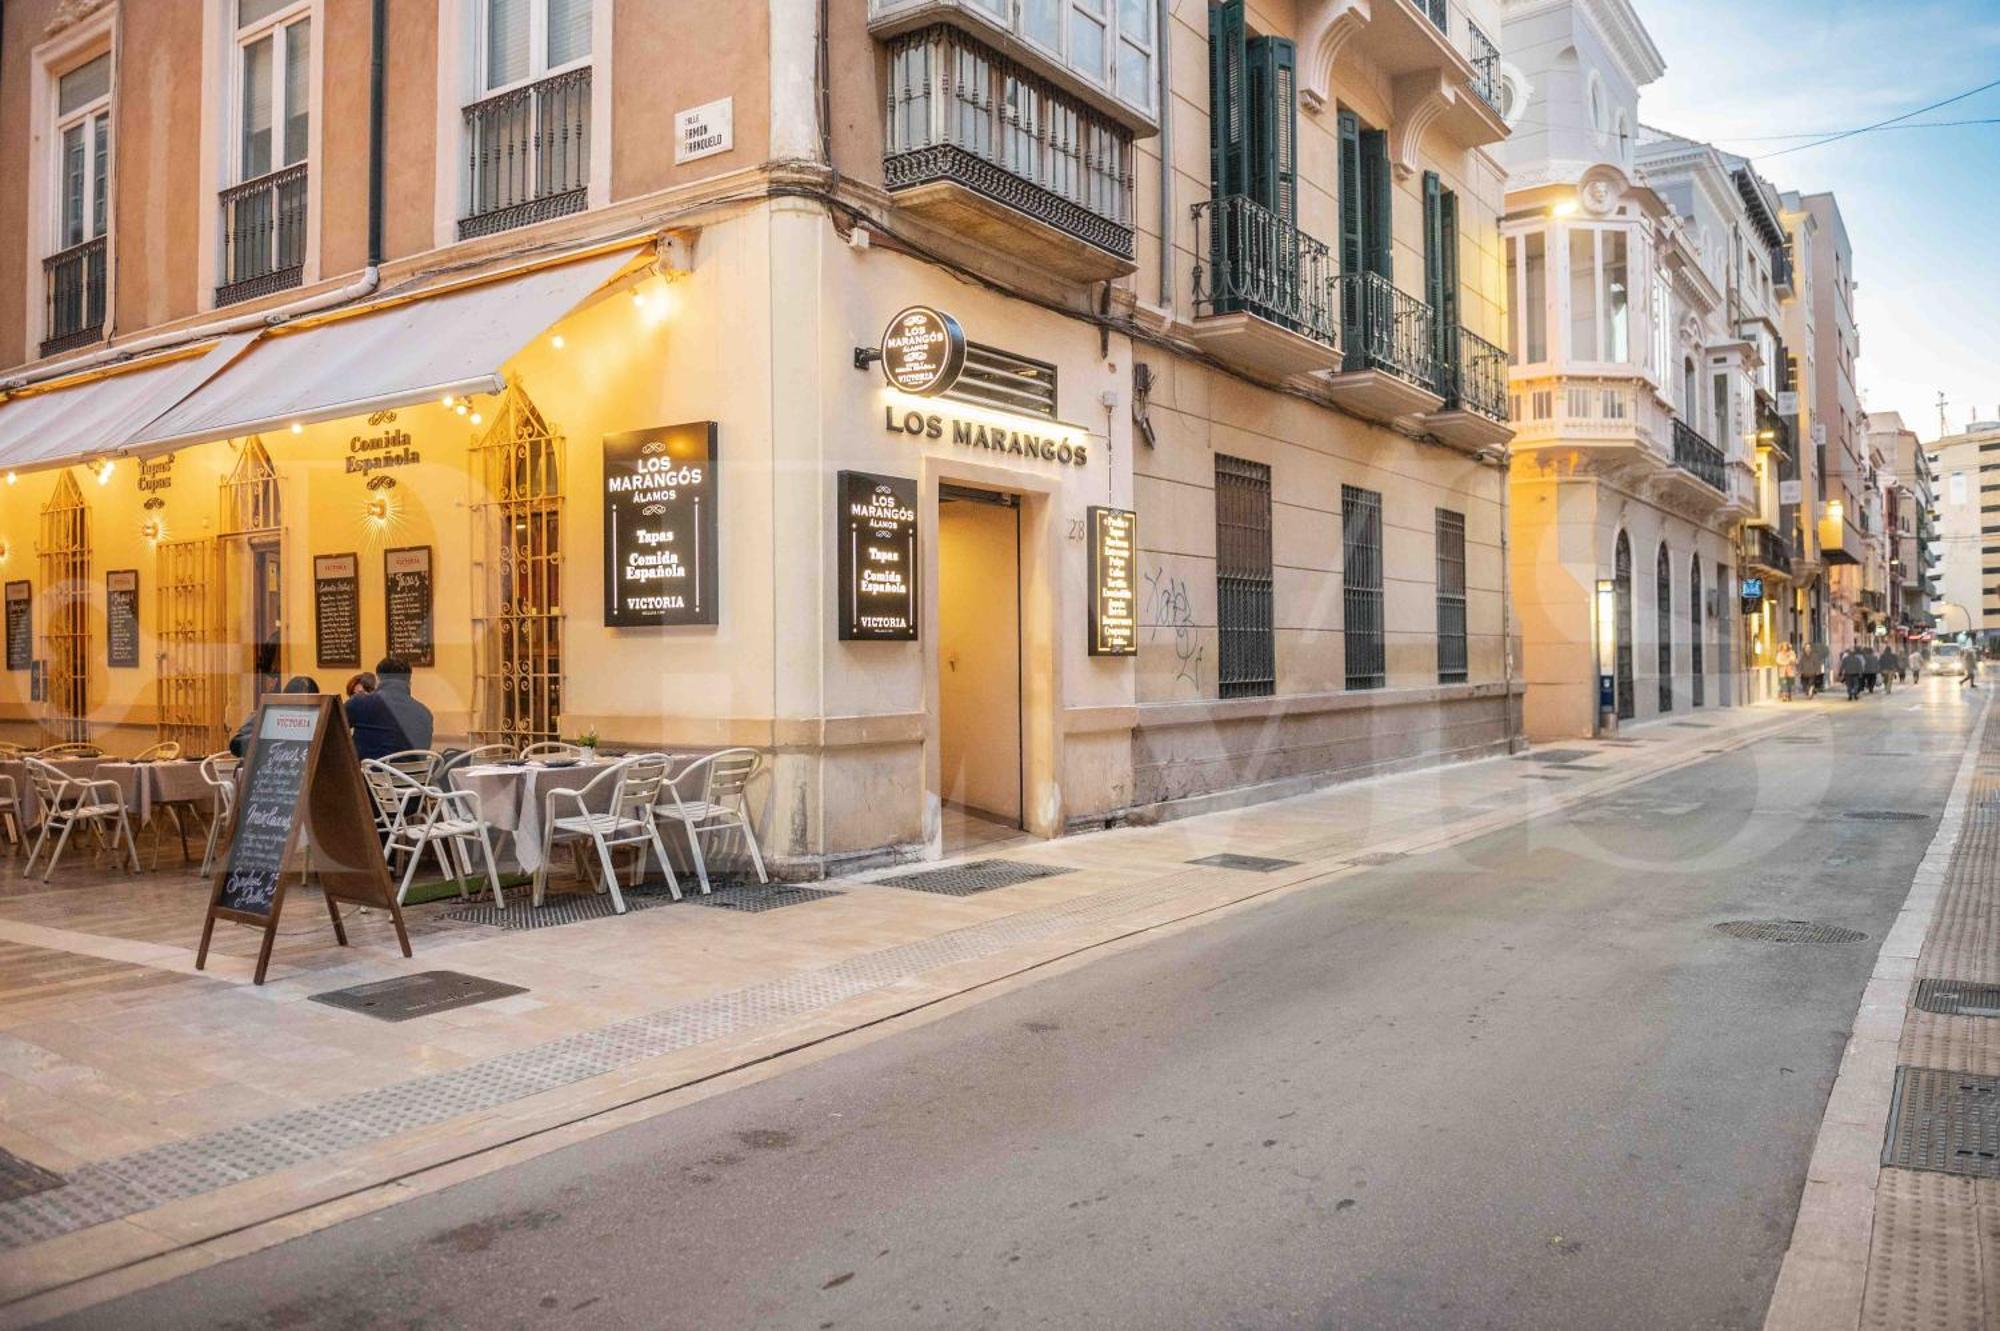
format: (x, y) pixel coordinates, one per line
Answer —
(1378, 190)
(1274, 130)
(1228, 119)
(1433, 243)
(1353, 258)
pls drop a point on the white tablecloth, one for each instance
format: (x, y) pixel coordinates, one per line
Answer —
(148, 784)
(514, 799)
(24, 782)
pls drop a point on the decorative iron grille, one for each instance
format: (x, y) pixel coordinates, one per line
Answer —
(1663, 608)
(1385, 329)
(961, 112)
(188, 607)
(1452, 654)
(1250, 260)
(996, 378)
(65, 559)
(1695, 631)
(1247, 665)
(517, 618)
(1485, 58)
(1475, 376)
(250, 498)
(1361, 587)
(529, 153)
(74, 280)
(263, 235)
(1699, 458)
(1622, 581)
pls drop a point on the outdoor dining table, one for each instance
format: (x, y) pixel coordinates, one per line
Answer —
(156, 783)
(513, 798)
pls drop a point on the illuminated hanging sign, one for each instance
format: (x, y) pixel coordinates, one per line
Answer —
(923, 351)
(1753, 595)
(877, 521)
(660, 527)
(1114, 599)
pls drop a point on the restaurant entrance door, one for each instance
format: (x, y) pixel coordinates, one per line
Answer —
(979, 659)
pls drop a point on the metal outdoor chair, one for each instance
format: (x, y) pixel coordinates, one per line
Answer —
(75, 749)
(219, 771)
(434, 819)
(166, 751)
(420, 765)
(477, 757)
(10, 812)
(613, 810)
(716, 802)
(551, 748)
(70, 802)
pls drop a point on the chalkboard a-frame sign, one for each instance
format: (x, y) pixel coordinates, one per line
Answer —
(301, 777)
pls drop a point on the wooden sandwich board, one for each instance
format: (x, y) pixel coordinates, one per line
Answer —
(301, 802)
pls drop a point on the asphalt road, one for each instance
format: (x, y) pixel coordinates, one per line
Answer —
(1520, 1084)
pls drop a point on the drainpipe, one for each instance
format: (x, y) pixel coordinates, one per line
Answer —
(1163, 43)
(377, 59)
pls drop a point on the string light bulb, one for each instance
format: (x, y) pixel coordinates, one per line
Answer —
(557, 342)
(446, 400)
(11, 478)
(478, 419)
(104, 472)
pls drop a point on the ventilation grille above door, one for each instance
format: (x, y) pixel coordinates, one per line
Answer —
(1000, 379)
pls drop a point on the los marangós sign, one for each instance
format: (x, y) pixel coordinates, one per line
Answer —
(660, 526)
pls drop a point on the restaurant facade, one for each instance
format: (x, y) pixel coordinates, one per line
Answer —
(957, 494)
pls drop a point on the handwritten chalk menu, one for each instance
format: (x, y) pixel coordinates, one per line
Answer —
(1114, 601)
(302, 805)
(660, 526)
(337, 610)
(878, 557)
(20, 626)
(406, 587)
(121, 617)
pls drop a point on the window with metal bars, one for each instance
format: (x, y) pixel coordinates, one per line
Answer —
(1247, 665)
(1622, 582)
(1695, 631)
(1663, 596)
(1361, 587)
(1452, 659)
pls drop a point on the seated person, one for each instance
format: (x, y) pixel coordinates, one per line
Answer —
(239, 743)
(390, 719)
(361, 683)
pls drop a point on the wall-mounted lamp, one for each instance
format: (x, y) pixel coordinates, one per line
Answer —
(104, 472)
(152, 530)
(1567, 208)
(298, 428)
(11, 478)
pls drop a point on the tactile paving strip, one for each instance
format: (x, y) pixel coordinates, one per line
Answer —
(1924, 1265)
(1790, 931)
(963, 880)
(1943, 1121)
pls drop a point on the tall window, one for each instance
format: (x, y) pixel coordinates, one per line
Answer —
(1622, 628)
(1719, 414)
(1441, 268)
(74, 270)
(264, 212)
(1452, 659)
(1361, 587)
(1600, 296)
(523, 40)
(528, 132)
(1247, 665)
(1663, 598)
(1109, 42)
(1528, 284)
(1697, 664)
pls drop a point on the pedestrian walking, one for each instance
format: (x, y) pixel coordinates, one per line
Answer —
(1970, 679)
(1788, 671)
(1852, 672)
(1871, 667)
(1815, 670)
(1891, 665)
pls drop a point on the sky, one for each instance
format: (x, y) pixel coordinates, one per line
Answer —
(1922, 206)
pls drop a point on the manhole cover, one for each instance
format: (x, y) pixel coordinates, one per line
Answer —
(1800, 739)
(1695, 725)
(1885, 816)
(1790, 931)
(1378, 859)
(407, 997)
(20, 1179)
(1543, 776)
(1946, 1122)
(1578, 767)
(1249, 863)
(963, 880)
(1557, 755)
(756, 900)
(1952, 998)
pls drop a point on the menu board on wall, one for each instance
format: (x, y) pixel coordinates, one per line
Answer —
(20, 626)
(1114, 599)
(121, 617)
(406, 592)
(878, 557)
(337, 610)
(660, 526)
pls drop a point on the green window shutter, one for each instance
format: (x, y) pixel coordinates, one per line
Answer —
(1447, 306)
(1378, 192)
(1228, 112)
(1274, 130)
(1353, 256)
(1433, 242)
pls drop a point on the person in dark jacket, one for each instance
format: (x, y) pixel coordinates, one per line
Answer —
(1853, 672)
(239, 743)
(1890, 666)
(390, 719)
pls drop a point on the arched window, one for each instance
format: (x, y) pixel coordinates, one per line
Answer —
(1694, 630)
(1622, 580)
(1624, 144)
(1663, 593)
(1600, 114)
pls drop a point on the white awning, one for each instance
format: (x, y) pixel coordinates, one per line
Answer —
(98, 416)
(406, 352)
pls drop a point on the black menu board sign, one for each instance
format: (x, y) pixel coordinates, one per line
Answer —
(406, 588)
(1114, 599)
(121, 617)
(878, 557)
(337, 610)
(272, 793)
(660, 526)
(20, 626)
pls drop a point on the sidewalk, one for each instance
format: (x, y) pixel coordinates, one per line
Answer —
(194, 1118)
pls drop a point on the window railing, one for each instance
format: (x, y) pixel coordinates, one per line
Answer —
(1699, 458)
(529, 154)
(1249, 260)
(75, 281)
(1767, 549)
(1386, 329)
(1474, 378)
(263, 235)
(1485, 57)
(960, 112)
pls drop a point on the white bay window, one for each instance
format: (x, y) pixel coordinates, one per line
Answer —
(1111, 45)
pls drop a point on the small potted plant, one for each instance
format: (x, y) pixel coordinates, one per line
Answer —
(587, 741)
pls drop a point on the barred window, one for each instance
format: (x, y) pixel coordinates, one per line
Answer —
(1247, 666)
(1361, 586)
(1451, 597)
(1664, 608)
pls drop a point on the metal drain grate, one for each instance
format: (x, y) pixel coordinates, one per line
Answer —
(18, 1178)
(1557, 755)
(569, 908)
(1378, 859)
(1800, 739)
(1885, 816)
(1695, 725)
(1544, 776)
(1790, 931)
(1951, 998)
(1578, 767)
(1248, 863)
(1945, 1122)
(407, 997)
(963, 880)
(755, 900)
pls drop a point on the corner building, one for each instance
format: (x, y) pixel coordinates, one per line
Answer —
(571, 386)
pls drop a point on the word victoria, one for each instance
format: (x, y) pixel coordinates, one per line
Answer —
(974, 434)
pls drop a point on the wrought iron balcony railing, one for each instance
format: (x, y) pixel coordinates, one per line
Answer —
(1248, 260)
(1474, 376)
(1485, 57)
(263, 235)
(530, 154)
(75, 281)
(1699, 458)
(961, 112)
(1766, 549)
(1384, 329)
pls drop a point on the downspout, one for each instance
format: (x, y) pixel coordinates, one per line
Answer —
(1163, 43)
(377, 60)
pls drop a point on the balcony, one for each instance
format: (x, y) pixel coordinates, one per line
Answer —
(1840, 542)
(1473, 380)
(1699, 458)
(1002, 159)
(75, 282)
(529, 155)
(1389, 366)
(1485, 57)
(263, 235)
(1412, 43)
(1264, 291)
(1766, 552)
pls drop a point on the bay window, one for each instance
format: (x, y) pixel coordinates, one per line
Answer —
(528, 130)
(1599, 294)
(264, 209)
(74, 271)
(1109, 44)
(1528, 292)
